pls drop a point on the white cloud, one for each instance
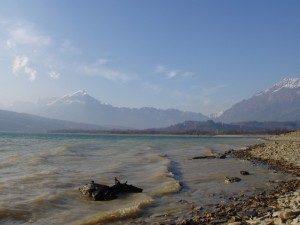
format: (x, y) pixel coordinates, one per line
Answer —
(28, 35)
(102, 61)
(20, 66)
(54, 75)
(170, 73)
(104, 72)
(22, 41)
(20, 62)
(31, 73)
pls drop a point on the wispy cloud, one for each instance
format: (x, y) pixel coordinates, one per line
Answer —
(98, 69)
(23, 42)
(102, 61)
(27, 35)
(54, 75)
(170, 73)
(20, 66)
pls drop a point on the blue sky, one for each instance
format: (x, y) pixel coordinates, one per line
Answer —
(201, 56)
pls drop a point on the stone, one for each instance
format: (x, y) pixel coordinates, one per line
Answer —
(277, 221)
(276, 214)
(232, 179)
(221, 156)
(288, 214)
(219, 221)
(295, 221)
(254, 222)
(244, 173)
(158, 215)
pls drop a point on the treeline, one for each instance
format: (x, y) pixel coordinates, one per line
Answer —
(204, 128)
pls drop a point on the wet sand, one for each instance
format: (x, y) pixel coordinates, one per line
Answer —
(279, 206)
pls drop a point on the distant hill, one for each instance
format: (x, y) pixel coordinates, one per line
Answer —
(208, 127)
(21, 122)
(279, 103)
(211, 127)
(81, 107)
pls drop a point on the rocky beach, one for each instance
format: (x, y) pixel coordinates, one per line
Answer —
(279, 206)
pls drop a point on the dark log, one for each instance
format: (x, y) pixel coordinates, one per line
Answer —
(100, 192)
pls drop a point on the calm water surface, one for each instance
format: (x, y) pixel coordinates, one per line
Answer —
(40, 175)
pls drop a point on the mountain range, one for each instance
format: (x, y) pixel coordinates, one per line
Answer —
(83, 108)
(279, 103)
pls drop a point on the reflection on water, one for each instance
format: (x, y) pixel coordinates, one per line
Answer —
(40, 176)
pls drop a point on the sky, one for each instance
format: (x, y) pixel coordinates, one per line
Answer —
(192, 55)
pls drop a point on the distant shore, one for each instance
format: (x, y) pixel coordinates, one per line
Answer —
(280, 206)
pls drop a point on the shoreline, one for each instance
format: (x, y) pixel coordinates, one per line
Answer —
(280, 206)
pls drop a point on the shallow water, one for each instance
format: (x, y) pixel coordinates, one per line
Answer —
(40, 175)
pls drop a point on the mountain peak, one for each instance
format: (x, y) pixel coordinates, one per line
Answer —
(279, 103)
(289, 83)
(78, 93)
(78, 97)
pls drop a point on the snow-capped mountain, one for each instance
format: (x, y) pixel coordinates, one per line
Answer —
(290, 83)
(278, 103)
(79, 97)
(81, 107)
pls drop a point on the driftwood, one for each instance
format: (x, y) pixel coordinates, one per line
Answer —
(218, 156)
(124, 188)
(100, 192)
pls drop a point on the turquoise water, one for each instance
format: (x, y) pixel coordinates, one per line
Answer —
(40, 175)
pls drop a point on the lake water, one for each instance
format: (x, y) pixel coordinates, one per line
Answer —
(40, 175)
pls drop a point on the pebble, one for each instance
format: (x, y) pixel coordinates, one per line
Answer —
(278, 221)
(244, 173)
(289, 214)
